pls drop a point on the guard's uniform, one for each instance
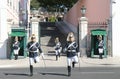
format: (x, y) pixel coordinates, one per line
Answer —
(100, 48)
(71, 51)
(58, 49)
(16, 48)
(34, 49)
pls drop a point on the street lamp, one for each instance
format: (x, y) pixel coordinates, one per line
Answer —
(65, 10)
(83, 10)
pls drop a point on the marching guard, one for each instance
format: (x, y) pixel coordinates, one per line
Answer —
(58, 48)
(71, 49)
(34, 49)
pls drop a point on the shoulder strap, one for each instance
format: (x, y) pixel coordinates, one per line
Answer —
(71, 44)
(101, 43)
(32, 45)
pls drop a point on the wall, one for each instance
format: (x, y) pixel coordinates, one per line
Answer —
(9, 16)
(12, 8)
(97, 11)
(3, 29)
(115, 28)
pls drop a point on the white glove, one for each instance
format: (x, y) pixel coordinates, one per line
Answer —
(64, 50)
(78, 54)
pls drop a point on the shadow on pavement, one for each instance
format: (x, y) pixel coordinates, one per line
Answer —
(54, 73)
(22, 74)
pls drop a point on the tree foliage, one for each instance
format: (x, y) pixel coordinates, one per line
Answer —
(55, 4)
(34, 4)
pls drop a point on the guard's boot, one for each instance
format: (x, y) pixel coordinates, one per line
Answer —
(15, 57)
(56, 57)
(69, 70)
(73, 64)
(35, 61)
(31, 70)
(100, 56)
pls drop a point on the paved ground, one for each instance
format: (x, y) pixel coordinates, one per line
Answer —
(61, 73)
(90, 68)
(50, 61)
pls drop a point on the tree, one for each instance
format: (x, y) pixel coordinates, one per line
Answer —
(56, 4)
(34, 4)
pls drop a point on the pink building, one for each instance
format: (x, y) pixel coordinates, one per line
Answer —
(97, 13)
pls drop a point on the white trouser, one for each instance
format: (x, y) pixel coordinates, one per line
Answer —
(16, 51)
(72, 59)
(33, 59)
(100, 50)
(57, 51)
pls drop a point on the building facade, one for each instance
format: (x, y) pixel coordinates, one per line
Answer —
(97, 13)
(10, 16)
(115, 27)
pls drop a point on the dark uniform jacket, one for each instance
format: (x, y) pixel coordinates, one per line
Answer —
(16, 45)
(72, 49)
(33, 47)
(58, 46)
(101, 44)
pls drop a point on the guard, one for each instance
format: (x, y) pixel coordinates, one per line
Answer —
(57, 47)
(16, 47)
(71, 50)
(34, 49)
(100, 46)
